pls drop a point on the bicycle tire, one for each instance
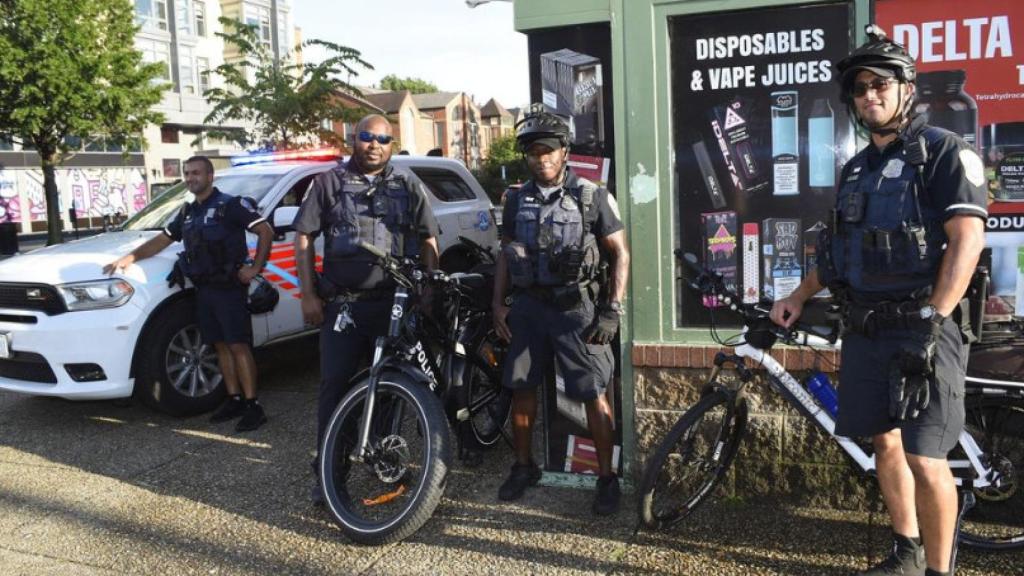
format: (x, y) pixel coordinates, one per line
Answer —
(996, 522)
(489, 403)
(705, 438)
(386, 499)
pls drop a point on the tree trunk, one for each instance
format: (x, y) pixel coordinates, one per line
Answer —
(54, 224)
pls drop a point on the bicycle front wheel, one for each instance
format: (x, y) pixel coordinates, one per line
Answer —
(997, 520)
(489, 404)
(691, 460)
(399, 483)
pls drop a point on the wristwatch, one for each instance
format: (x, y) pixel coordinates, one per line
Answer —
(508, 300)
(930, 312)
(616, 306)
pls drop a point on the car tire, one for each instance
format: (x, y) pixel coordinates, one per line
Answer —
(177, 373)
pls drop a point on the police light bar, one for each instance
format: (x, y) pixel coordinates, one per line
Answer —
(290, 156)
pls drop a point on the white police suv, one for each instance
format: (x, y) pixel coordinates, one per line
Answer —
(67, 330)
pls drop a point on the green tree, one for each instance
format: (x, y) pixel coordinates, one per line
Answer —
(502, 153)
(69, 68)
(284, 102)
(414, 85)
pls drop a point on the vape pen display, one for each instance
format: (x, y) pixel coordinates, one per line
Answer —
(821, 145)
(785, 143)
(719, 232)
(571, 86)
(751, 263)
(707, 172)
(731, 127)
(783, 254)
(811, 253)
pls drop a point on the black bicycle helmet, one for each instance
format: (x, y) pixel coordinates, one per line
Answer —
(263, 296)
(879, 55)
(539, 124)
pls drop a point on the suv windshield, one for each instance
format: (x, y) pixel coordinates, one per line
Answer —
(162, 210)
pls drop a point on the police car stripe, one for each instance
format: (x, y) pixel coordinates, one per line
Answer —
(255, 223)
(969, 207)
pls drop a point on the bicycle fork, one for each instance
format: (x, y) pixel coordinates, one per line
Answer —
(394, 329)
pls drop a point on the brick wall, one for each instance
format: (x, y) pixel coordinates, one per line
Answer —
(782, 455)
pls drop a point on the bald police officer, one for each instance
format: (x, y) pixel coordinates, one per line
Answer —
(363, 200)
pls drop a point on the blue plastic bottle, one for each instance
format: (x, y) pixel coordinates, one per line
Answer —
(819, 385)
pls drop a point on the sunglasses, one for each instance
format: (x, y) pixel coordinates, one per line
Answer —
(382, 139)
(877, 84)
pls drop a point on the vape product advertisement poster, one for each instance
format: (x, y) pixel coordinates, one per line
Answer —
(760, 136)
(971, 81)
(570, 72)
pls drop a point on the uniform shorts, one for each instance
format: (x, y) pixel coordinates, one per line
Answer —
(222, 314)
(864, 391)
(542, 332)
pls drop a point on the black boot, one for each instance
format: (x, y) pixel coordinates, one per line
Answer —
(906, 559)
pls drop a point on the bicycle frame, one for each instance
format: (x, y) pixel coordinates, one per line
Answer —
(795, 393)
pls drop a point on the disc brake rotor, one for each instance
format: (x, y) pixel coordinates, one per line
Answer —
(392, 455)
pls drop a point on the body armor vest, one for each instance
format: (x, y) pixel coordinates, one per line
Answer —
(886, 238)
(380, 214)
(556, 245)
(214, 250)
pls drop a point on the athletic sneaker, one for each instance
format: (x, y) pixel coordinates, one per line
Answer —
(252, 418)
(906, 559)
(522, 477)
(232, 408)
(606, 500)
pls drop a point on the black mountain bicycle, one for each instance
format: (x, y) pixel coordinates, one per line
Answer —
(387, 450)
(696, 453)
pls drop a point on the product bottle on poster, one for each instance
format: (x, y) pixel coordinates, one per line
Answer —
(821, 145)
(941, 98)
(785, 143)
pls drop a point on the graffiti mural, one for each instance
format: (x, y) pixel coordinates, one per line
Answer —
(10, 206)
(94, 191)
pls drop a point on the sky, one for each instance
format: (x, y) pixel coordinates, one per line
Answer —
(457, 48)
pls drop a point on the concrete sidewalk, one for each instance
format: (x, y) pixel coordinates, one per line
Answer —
(101, 489)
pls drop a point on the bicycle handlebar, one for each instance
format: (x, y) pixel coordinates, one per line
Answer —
(410, 273)
(711, 283)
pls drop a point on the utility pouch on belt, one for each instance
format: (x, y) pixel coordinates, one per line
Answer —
(520, 267)
(568, 263)
(325, 289)
(567, 297)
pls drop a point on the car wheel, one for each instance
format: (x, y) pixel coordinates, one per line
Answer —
(177, 372)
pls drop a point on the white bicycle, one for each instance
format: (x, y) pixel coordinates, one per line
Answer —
(697, 452)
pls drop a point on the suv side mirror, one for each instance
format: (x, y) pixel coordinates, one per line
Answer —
(284, 218)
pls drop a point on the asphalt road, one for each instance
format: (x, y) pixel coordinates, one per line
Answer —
(101, 488)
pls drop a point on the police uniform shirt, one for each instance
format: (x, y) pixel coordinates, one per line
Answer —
(239, 212)
(607, 223)
(360, 272)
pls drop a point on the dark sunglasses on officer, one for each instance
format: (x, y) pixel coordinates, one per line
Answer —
(382, 139)
(878, 84)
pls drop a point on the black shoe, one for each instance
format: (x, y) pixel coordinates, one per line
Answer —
(232, 408)
(522, 477)
(906, 559)
(253, 417)
(606, 500)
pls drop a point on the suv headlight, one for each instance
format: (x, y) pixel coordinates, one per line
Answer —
(108, 293)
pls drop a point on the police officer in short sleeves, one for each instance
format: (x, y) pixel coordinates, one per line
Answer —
(902, 247)
(548, 299)
(364, 200)
(212, 229)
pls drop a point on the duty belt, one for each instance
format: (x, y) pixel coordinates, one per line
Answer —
(565, 297)
(362, 295)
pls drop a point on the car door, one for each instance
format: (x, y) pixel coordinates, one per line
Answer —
(458, 210)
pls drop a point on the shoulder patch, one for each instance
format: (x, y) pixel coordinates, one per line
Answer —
(974, 169)
(248, 202)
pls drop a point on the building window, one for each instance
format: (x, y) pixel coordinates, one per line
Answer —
(6, 144)
(200, 10)
(183, 17)
(153, 51)
(172, 168)
(203, 71)
(186, 69)
(169, 134)
(151, 14)
(439, 135)
(283, 38)
(259, 17)
(327, 124)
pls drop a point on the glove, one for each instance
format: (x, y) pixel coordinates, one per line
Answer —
(909, 395)
(604, 327)
(176, 277)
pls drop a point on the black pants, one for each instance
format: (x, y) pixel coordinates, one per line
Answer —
(344, 352)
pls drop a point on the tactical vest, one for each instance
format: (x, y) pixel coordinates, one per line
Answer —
(380, 214)
(886, 242)
(214, 250)
(560, 247)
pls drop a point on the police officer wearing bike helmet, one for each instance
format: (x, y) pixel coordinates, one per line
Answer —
(212, 229)
(560, 232)
(906, 235)
(369, 200)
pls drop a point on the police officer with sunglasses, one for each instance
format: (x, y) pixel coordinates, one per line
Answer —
(902, 246)
(363, 200)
